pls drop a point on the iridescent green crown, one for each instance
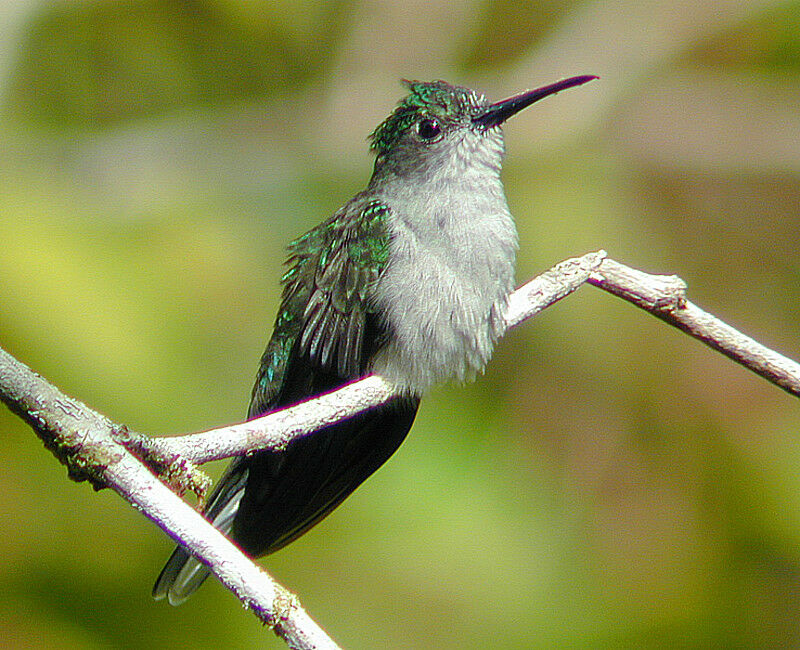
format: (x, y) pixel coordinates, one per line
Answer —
(427, 98)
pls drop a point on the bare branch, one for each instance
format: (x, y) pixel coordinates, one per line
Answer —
(95, 449)
(551, 286)
(85, 441)
(272, 431)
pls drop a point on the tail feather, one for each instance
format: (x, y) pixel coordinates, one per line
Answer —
(183, 574)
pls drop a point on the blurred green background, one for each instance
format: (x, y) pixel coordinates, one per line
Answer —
(608, 483)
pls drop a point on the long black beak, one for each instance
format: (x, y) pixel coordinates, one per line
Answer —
(499, 112)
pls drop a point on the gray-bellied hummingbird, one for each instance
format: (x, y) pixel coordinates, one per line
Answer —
(409, 280)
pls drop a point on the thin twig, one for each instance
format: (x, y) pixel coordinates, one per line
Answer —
(664, 297)
(276, 430)
(661, 295)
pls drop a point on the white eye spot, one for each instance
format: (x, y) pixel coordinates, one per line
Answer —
(428, 129)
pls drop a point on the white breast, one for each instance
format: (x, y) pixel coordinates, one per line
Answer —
(444, 291)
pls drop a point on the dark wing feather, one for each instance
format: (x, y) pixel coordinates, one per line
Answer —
(319, 342)
(296, 489)
(183, 574)
(325, 301)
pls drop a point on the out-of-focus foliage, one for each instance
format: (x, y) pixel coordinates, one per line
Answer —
(106, 62)
(608, 483)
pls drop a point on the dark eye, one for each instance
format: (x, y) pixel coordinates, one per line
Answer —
(428, 128)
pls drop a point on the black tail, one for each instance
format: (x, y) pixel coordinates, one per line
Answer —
(289, 492)
(268, 500)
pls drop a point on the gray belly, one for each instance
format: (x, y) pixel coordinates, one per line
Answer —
(443, 318)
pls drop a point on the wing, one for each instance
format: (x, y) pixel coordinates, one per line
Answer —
(317, 343)
(325, 305)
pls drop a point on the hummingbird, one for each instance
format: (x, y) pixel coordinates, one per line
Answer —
(409, 280)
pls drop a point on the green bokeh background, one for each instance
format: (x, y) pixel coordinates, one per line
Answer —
(608, 483)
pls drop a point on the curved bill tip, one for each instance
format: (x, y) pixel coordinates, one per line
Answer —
(497, 113)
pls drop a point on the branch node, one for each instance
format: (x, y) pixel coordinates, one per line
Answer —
(672, 291)
(284, 605)
(180, 474)
(659, 294)
(85, 461)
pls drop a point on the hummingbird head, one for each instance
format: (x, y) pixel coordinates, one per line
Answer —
(438, 124)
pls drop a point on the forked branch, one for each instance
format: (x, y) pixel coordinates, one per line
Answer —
(94, 448)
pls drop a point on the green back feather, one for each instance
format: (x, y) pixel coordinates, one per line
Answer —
(326, 298)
